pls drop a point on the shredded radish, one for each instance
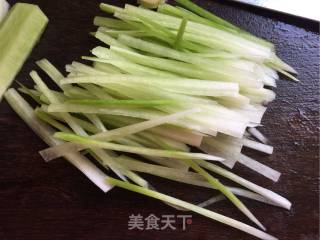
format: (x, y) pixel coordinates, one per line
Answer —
(161, 83)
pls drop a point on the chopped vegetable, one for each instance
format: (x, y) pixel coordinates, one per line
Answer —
(19, 33)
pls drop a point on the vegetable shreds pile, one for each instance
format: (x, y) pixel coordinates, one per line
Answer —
(162, 82)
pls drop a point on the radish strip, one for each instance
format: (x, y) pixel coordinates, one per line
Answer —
(179, 37)
(181, 85)
(281, 201)
(86, 141)
(258, 146)
(211, 201)
(258, 135)
(259, 167)
(225, 191)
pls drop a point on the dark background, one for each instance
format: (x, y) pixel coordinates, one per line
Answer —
(54, 201)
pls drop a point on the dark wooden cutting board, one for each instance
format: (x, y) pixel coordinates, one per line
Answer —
(54, 201)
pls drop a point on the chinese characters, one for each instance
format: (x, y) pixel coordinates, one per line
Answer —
(164, 222)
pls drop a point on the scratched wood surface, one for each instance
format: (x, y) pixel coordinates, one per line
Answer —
(54, 201)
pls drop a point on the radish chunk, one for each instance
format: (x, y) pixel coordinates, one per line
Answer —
(19, 33)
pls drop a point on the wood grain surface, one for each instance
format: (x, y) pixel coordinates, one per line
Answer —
(54, 201)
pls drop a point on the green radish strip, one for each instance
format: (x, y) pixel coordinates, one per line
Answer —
(122, 103)
(105, 38)
(48, 119)
(97, 92)
(78, 93)
(281, 201)
(277, 63)
(107, 68)
(224, 146)
(168, 131)
(179, 85)
(109, 8)
(204, 13)
(150, 3)
(24, 110)
(97, 122)
(211, 201)
(163, 142)
(259, 96)
(58, 95)
(258, 146)
(225, 191)
(290, 76)
(178, 134)
(111, 22)
(52, 72)
(259, 167)
(31, 93)
(181, 30)
(104, 55)
(115, 33)
(87, 126)
(82, 68)
(34, 94)
(86, 141)
(258, 135)
(215, 216)
(19, 33)
(183, 13)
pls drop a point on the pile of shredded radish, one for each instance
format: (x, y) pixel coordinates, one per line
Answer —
(163, 82)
